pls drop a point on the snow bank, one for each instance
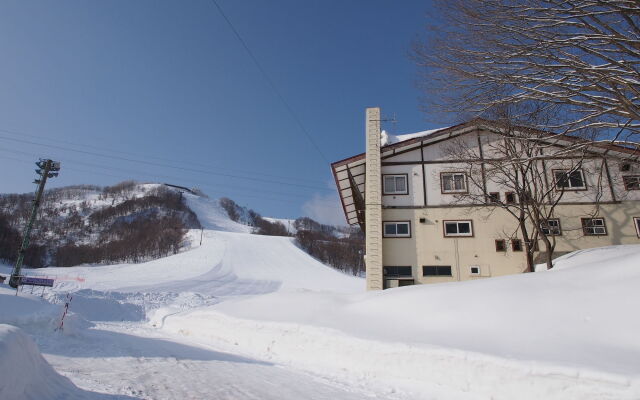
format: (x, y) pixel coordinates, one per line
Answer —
(569, 333)
(24, 373)
(27, 310)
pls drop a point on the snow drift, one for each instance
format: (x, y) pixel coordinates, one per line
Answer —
(24, 374)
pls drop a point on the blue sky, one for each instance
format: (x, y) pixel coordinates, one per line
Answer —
(163, 91)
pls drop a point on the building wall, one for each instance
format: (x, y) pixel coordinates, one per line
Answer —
(437, 157)
(428, 245)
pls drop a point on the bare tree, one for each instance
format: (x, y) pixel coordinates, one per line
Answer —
(520, 161)
(580, 58)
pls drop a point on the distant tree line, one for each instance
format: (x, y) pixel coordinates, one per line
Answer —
(10, 241)
(250, 217)
(142, 239)
(90, 224)
(339, 247)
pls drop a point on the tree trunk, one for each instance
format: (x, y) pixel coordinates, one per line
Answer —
(527, 242)
(549, 249)
(529, 260)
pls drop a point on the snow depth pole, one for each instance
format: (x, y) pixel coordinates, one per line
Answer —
(46, 169)
(67, 302)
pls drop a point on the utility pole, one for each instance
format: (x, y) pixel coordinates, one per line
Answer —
(46, 169)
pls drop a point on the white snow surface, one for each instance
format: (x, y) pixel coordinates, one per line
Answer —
(25, 374)
(386, 138)
(243, 316)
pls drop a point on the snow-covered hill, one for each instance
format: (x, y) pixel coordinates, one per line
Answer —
(89, 224)
(242, 316)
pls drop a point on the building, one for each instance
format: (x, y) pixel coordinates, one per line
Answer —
(432, 213)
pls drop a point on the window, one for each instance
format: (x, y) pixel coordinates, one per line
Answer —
(397, 229)
(494, 197)
(395, 184)
(569, 180)
(500, 245)
(631, 182)
(625, 167)
(458, 228)
(397, 272)
(453, 182)
(636, 222)
(516, 245)
(594, 226)
(510, 198)
(436, 270)
(551, 227)
(474, 270)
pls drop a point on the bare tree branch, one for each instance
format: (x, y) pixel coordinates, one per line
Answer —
(582, 57)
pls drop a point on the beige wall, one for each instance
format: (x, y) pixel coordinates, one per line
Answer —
(428, 245)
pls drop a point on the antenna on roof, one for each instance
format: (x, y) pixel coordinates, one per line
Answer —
(392, 119)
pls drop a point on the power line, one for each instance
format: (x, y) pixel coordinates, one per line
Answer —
(283, 197)
(133, 173)
(270, 81)
(103, 149)
(156, 164)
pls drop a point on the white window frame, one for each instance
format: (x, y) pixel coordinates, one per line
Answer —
(457, 223)
(453, 174)
(594, 227)
(549, 227)
(395, 176)
(396, 235)
(567, 172)
(471, 267)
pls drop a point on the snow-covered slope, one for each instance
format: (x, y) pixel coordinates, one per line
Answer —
(212, 216)
(569, 333)
(119, 299)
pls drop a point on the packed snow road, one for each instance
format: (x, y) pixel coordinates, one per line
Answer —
(140, 362)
